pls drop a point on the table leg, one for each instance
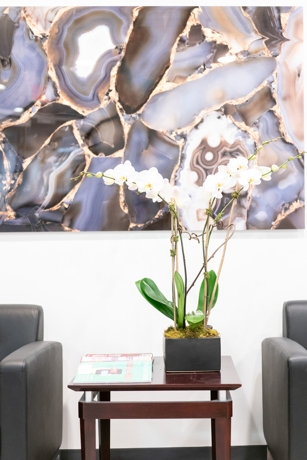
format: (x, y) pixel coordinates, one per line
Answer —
(214, 396)
(88, 441)
(104, 430)
(221, 442)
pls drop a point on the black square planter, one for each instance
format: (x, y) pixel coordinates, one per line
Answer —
(192, 355)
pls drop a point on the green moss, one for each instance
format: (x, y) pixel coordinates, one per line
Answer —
(189, 333)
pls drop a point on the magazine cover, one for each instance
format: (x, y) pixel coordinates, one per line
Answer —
(120, 368)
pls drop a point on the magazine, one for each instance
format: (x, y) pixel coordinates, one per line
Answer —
(115, 368)
(117, 357)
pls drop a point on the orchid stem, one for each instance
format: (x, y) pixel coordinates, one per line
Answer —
(185, 274)
(174, 261)
(221, 261)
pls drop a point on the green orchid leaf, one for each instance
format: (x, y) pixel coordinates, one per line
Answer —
(154, 296)
(211, 283)
(180, 291)
(195, 320)
(200, 306)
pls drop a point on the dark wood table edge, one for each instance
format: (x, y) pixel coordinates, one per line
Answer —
(167, 385)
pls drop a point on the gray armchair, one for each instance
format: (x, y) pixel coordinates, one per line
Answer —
(284, 383)
(31, 392)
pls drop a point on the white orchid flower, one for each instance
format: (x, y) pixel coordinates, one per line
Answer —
(224, 169)
(123, 172)
(166, 192)
(109, 177)
(132, 180)
(236, 165)
(218, 183)
(203, 197)
(181, 197)
(129, 175)
(250, 177)
(233, 169)
(150, 182)
(232, 174)
(153, 195)
(169, 193)
(265, 171)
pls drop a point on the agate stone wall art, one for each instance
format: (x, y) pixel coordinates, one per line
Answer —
(182, 88)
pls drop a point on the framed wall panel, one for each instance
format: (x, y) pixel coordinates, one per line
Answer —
(182, 88)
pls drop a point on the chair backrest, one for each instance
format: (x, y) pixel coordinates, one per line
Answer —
(19, 325)
(295, 321)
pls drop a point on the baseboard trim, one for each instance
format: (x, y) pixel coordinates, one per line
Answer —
(174, 453)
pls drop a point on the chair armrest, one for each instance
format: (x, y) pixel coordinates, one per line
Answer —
(31, 400)
(284, 383)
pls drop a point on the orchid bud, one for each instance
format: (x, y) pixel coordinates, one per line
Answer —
(99, 175)
(274, 168)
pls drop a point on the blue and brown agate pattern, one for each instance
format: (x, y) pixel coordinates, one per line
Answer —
(183, 89)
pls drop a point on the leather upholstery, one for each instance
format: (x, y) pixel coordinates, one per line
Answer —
(284, 383)
(19, 325)
(31, 394)
(295, 321)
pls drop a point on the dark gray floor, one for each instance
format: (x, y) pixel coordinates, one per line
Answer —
(175, 453)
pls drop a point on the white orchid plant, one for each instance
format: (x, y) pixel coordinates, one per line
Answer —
(239, 175)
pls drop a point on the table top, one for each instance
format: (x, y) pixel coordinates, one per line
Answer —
(226, 379)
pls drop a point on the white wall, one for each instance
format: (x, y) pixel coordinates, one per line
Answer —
(85, 282)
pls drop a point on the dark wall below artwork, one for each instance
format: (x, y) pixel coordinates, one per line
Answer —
(175, 453)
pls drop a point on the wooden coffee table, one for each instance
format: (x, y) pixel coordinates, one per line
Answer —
(218, 409)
